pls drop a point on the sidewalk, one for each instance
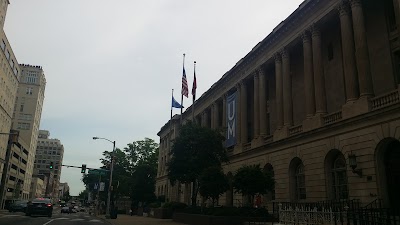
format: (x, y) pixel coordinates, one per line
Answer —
(139, 220)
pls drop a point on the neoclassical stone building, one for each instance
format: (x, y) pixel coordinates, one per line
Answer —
(316, 103)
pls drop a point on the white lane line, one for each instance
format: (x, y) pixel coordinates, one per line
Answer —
(11, 215)
(77, 220)
(49, 222)
(96, 221)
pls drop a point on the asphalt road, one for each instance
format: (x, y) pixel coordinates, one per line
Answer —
(81, 218)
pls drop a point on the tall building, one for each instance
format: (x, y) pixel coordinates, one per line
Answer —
(28, 112)
(9, 78)
(62, 189)
(316, 103)
(49, 151)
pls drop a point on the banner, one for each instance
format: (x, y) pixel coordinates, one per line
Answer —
(231, 112)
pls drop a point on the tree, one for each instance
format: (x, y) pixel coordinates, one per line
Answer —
(66, 197)
(195, 149)
(251, 180)
(213, 182)
(129, 165)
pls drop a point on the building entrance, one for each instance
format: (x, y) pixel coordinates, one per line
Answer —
(392, 164)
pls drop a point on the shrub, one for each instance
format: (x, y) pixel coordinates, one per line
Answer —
(174, 205)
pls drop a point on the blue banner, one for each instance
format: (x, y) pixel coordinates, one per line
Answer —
(231, 112)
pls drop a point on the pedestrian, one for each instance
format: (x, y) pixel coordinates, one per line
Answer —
(130, 211)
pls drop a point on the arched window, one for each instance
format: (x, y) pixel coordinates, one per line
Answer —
(297, 180)
(300, 182)
(339, 178)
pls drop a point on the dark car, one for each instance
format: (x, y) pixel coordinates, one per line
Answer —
(40, 206)
(18, 206)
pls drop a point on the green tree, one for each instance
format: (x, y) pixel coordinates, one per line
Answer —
(213, 182)
(251, 180)
(195, 149)
(66, 196)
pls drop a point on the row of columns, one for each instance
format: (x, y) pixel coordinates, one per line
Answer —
(356, 66)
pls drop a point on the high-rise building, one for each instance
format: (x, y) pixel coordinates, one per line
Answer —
(62, 189)
(9, 78)
(28, 112)
(3, 11)
(49, 152)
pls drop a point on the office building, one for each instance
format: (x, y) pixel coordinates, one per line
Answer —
(49, 151)
(316, 103)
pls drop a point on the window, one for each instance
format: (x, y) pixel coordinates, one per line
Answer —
(300, 182)
(23, 126)
(3, 45)
(21, 108)
(29, 90)
(339, 178)
(7, 55)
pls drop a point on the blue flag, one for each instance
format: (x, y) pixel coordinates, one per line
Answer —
(175, 104)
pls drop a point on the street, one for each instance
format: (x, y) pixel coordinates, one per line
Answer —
(19, 218)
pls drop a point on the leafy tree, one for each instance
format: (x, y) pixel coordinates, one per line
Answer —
(250, 180)
(195, 149)
(213, 182)
(66, 196)
(130, 164)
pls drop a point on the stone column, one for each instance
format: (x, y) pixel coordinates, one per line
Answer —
(216, 115)
(287, 90)
(203, 119)
(308, 75)
(224, 111)
(243, 111)
(279, 91)
(263, 103)
(256, 105)
(239, 114)
(212, 114)
(350, 72)
(319, 79)
(206, 118)
(361, 47)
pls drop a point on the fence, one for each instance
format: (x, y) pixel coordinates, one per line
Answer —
(347, 212)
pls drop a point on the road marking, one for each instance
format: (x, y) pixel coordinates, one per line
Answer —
(77, 219)
(96, 221)
(49, 222)
(11, 215)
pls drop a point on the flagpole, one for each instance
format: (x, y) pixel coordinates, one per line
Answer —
(172, 95)
(181, 91)
(194, 93)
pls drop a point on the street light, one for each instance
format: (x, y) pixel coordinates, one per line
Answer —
(111, 175)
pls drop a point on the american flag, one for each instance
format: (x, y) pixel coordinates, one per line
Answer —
(185, 89)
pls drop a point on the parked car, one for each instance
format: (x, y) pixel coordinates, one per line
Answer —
(65, 209)
(40, 206)
(18, 206)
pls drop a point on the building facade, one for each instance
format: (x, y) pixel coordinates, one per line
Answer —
(9, 79)
(13, 177)
(28, 112)
(37, 188)
(49, 151)
(62, 189)
(316, 103)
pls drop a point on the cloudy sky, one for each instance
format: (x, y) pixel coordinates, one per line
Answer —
(110, 65)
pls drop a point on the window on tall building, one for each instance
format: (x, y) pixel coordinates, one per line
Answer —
(3, 45)
(21, 108)
(7, 55)
(29, 90)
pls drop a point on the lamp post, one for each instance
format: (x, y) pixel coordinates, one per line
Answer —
(111, 176)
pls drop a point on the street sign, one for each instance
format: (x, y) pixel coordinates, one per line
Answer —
(102, 185)
(98, 172)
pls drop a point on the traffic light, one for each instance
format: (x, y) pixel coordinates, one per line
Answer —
(83, 168)
(51, 165)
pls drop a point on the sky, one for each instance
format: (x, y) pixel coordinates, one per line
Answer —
(110, 66)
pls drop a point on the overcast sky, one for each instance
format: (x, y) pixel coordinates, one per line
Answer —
(110, 65)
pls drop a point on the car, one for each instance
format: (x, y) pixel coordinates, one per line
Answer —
(18, 206)
(40, 206)
(65, 209)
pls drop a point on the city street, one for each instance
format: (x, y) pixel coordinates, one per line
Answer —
(19, 218)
